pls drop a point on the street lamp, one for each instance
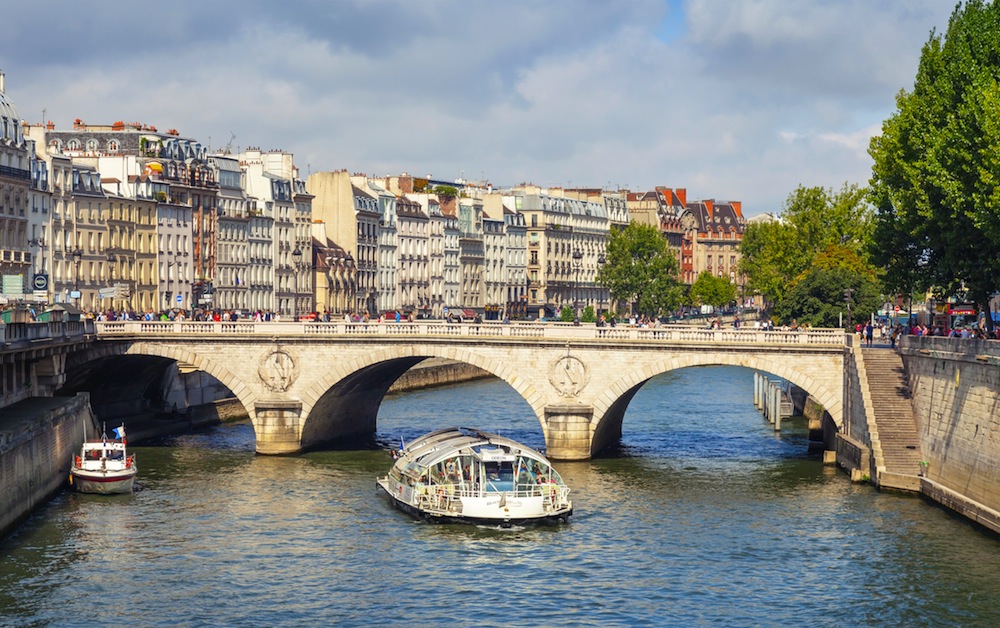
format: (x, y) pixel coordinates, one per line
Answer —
(600, 291)
(296, 258)
(847, 297)
(77, 257)
(577, 262)
(349, 291)
(111, 275)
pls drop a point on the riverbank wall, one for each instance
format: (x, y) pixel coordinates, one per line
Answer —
(434, 372)
(955, 388)
(38, 437)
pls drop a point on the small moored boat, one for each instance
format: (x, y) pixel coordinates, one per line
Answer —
(466, 475)
(104, 466)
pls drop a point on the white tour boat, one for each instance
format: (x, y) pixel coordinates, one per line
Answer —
(466, 475)
(104, 466)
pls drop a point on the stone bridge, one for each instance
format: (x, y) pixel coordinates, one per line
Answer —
(309, 384)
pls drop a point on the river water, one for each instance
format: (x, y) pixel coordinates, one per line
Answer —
(703, 517)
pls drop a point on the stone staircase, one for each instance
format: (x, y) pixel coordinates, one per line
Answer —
(897, 429)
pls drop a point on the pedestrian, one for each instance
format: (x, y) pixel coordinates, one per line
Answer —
(869, 331)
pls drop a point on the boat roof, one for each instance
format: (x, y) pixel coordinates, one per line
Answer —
(434, 446)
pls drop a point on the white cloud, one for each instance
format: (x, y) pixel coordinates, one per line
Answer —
(751, 99)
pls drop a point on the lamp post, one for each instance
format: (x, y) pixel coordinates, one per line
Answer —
(577, 262)
(349, 292)
(77, 258)
(111, 275)
(296, 258)
(847, 297)
(600, 291)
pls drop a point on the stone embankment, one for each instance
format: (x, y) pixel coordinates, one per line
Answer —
(38, 438)
(926, 420)
(955, 385)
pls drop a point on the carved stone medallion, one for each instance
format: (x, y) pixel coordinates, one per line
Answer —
(278, 370)
(568, 376)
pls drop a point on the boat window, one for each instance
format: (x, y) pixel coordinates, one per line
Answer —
(499, 476)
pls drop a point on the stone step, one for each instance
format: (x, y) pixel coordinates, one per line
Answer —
(897, 430)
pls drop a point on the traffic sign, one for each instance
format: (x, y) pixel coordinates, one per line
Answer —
(106, 292)
(179, 298)
(40, 282)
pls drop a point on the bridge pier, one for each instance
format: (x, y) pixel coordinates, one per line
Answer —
(567, 431)
(278, 425)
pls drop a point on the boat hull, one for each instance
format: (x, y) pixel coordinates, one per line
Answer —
(103, 483)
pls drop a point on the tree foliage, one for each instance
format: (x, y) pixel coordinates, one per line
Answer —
(642, 270)
(445, 191)
(709, 289)
(817, 299)
(814, 222)
(936, 177)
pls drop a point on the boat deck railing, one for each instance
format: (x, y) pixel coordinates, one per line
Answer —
(447, 497)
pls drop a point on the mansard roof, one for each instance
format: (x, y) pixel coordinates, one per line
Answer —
(716, 216)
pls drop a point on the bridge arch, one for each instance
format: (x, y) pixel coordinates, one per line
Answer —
(172, 352)
(343, 403)
(610, 404)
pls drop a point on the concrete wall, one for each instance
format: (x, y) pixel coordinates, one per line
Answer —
(38, 436)
(956, 401)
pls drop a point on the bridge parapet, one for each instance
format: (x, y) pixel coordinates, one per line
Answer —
(551, 331)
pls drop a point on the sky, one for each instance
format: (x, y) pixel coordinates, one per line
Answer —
(737, 100)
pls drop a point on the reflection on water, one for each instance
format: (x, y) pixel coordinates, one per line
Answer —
(704, 516)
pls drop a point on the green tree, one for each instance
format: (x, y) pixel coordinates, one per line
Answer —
(445, 191)
(708, 289)
(768, 259)
(817, 299)
(641, 270)
(937, 164)
(567, 315)
(775, 254)
(588, 315)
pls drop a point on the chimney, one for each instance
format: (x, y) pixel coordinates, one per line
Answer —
(682, 196)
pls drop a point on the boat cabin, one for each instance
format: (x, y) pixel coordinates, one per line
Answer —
(473, 463)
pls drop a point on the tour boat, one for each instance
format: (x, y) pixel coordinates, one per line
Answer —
(104, 466)
(466, 475)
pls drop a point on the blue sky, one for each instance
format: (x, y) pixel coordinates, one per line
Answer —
(731, 99)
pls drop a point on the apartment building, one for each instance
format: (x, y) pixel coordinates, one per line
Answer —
(15, 184)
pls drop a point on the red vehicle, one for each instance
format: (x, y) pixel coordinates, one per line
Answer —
(962, 315)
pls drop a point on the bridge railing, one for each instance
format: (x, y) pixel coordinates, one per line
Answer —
(558, 331)
(35, 331)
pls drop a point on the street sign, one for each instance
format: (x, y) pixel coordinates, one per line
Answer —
(897, 309)
(179, 298)
(40, 282)
(106, 292)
